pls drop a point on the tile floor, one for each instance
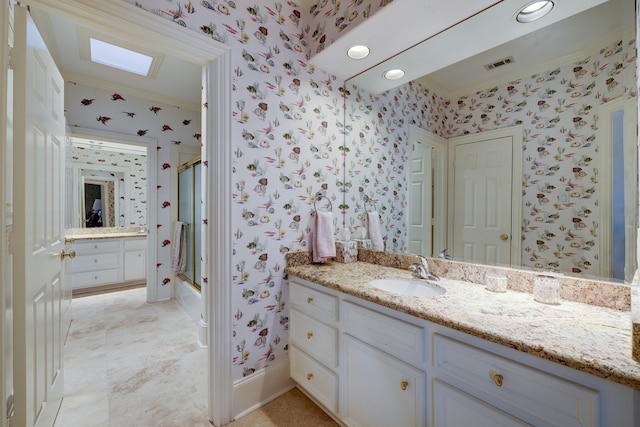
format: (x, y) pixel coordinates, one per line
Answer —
(129, 363)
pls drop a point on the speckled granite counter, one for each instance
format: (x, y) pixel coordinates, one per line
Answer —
(592, 339)
(74, 234)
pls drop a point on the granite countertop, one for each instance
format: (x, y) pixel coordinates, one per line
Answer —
(104, 233)
(588, 338)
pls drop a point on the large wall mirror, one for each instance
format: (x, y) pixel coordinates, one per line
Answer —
(109, 187)
(551, 115)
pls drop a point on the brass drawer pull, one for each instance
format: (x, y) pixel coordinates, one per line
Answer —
(497, 378)
(309, 299)
(404, 384)
(71, 254)
(309, 376)
(309, 335)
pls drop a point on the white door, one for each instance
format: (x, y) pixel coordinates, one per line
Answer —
(421, 202)
(38, 239)
(482, 201)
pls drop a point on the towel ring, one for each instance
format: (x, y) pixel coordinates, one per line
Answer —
(318, 197)
(368, 199)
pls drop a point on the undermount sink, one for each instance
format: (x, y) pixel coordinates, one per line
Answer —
(407, 287)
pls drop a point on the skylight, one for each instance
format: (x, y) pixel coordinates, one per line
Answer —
(119, 57)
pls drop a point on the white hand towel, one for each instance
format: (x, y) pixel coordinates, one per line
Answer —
(324, 247)
(179, 249)
(375, 232)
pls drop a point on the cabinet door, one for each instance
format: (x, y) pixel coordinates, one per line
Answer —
(454, 408)
(380, 390)
(134, 265)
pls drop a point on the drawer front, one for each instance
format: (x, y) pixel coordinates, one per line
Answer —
(96, 247)
(454, 408)
(319, 381)
(314, 337)
(524, 389)
(95, 278)
(394, 336)
(134, 244)
(95, 262)
(314, 303)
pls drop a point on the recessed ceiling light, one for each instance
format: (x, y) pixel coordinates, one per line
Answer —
(118, 57)
(359, 51)
(394, 74)
(534, 11)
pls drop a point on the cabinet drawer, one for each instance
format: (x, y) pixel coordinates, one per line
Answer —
(96, 246)
(94, 278)
(523, 389)
(319, 381)
(394, 336)
(95, 262)
(134, 244)
(314, 303)
(314, 337)
(454, 408)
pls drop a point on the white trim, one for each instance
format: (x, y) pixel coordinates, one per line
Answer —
(260, 388)
(4, 256)
(218, 151)
(152, 193)
(603, 136)
(418, 135)
(516, 134)
(125, 20)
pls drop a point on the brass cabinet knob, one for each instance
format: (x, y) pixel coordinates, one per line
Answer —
(71, 254)
(309, 376)
(309, 335)
(309, 300)
(504, 236)
(404, 384)
(498, 379)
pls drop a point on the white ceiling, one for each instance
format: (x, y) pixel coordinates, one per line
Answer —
(177, 82)
(454, 59)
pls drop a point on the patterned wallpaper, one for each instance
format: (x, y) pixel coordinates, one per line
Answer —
(93, 108)
(136, 165)
(330, 20)
(288, 128)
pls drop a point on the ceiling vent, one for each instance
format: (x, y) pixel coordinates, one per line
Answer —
(500, 63)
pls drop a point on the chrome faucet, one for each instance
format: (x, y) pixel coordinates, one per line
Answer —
(421, 269)
(444, 255)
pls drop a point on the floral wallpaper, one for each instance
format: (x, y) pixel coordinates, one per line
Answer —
(136, 164)
(93, 108)
(331, 20)
(287, 136)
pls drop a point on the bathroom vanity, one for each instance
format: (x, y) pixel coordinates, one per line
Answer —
(106, 259)
(465, 357)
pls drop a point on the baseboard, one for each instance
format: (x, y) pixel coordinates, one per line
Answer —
(105, 289)
(262, 387)
(203, 333)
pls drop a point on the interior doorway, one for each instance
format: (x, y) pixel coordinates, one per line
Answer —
(124, 20)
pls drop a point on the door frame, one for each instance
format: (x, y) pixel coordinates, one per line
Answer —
(126, 21)
(152, 196)
(417, 135)
(630, 141)
(516, 133)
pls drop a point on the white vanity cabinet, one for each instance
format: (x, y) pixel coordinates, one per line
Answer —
(102, 262)
(390, 368)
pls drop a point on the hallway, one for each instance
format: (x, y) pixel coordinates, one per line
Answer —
(130, 363)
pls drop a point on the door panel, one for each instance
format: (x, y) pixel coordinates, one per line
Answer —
(39, 134)
(483, 201)
(421, 205)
